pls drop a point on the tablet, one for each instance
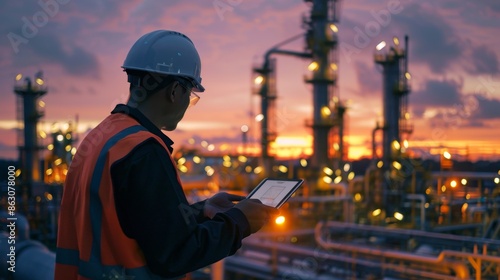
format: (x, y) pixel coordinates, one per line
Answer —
(275, 192)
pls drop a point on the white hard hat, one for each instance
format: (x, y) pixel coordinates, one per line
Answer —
(166, 52)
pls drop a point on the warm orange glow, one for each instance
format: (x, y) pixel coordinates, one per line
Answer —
(292, 147)
(280, 220)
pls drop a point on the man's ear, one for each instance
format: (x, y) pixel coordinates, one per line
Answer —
(170, 91)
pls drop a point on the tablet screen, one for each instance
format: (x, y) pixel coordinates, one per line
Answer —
(275, 192)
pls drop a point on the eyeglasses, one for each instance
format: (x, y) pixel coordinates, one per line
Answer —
(193, 97)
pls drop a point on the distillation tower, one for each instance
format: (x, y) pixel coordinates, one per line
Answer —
(389, 188)
(29, 111)
(328, 112)
(320, 48)
(396, 126)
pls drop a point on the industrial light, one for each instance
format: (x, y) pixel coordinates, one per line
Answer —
(351, 176)
(376, 212)
(183, 168)
(396, 165)
(313, 66)
(357, 197)
(19, 77)
(227, 164)
(50, 147)
(211, 147)
(259, 117)
(396, 41)
(181, 161)
(496, 180)
(196, 159)
(337, 180)
(59, 138)
(405, 144)
(283, 169)
(327, 179)
(39, 81)
(334, 66)
(336, 146)
(398, 216)
(453, 183)
(257, 170)
(258, 80)
(242, 158)
(380, 46)
(380, 164)
(347, 167)
(244, 128)
(334, 28)
(328, 171)
(303, 162)
(447, 155)
(325, 111)
(407, 75)
(280, 220)
(210, 171)
(41, 104)
(464, 207)
(396, 145)
(204, 144)
(48, 196)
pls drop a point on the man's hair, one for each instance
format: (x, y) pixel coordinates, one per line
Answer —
(144, 84)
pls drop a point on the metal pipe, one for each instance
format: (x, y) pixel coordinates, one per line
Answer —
(291, 251)
(319, 198)
(460, 269)
(342, 227)
(420, 197)
(374, 145)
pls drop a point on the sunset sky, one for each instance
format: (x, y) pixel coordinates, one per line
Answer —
(454, 51)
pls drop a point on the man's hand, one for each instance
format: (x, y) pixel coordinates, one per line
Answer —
(257, 214)
(220, 202)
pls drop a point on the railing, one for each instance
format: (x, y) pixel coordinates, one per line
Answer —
(336, 250)
(483, 264)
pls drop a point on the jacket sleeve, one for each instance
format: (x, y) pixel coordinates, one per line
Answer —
(153, 210)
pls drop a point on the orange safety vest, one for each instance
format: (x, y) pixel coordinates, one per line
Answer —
(91, 243)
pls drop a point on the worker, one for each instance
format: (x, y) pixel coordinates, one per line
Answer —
(124, 214)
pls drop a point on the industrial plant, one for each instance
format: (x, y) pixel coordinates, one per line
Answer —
(395, 217)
